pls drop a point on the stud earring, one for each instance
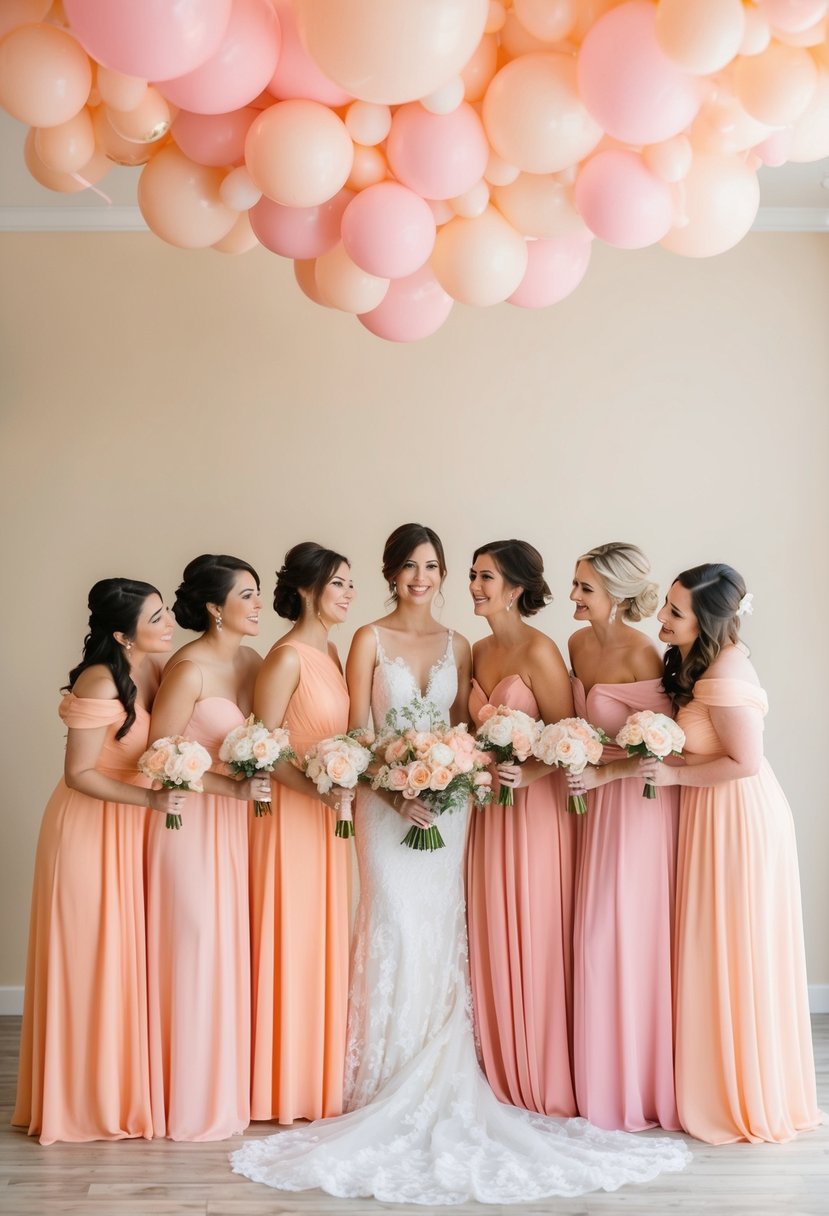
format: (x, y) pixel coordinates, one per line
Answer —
(219, 621)
(128, 647)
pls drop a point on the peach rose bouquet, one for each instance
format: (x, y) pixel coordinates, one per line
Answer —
(252, 748)
(650, 734)
(510, 735)
(441, 765)
(176, 762)
(571, 744)
(341, 761)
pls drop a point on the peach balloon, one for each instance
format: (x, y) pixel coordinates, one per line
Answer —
(412, 308)
(65, 183)
(670, 160)
(774, 151)
(238, 191)
(516, 40)
(539, 205)
(811, 131)
(367, 169)
(240, 239)
(69, 146)
(757, 34)
(629, 84)
(814, 36)
(534, 117)
(367, 123)
(147, 123)
(180, 201)
(473, 202)
(156, 39)
(495, 17)
(722, 125)
(45, 75)
(479, 70)
(388, 230)
(437, 155)
(702, 36)
(299, 153)
(548, 20)
(499, 172)
(214, 139)
(441, 210)
(119, 91)
(239, 69)
(445, 99)
(119, 150)
(777, 85)
(555, 267)
(296, 73)
(622, 202)
(793, 16)
(14, 13)
(391, 51)
(299, 232)
(479, 261)
(721, 197)
(305, 275)
(344, 285)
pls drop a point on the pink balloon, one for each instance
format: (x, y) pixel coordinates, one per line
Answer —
(628, 83)
(388, 230)
(156, 39)
(413, 308)
(555, 267)
(214, 139)
(437, 155)
(239, 70)
(299, 232)
(296, 73)
(622, 202)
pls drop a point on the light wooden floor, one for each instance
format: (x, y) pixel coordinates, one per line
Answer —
(158, 1178)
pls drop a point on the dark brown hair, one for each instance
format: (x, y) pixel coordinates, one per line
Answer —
(206, 580)
(716, 591)
(401, 545)
(307, 567)
(522, 566)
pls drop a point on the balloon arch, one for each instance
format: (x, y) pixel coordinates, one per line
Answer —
(407, 154)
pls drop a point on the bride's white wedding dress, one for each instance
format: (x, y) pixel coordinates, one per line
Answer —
(423, 1126)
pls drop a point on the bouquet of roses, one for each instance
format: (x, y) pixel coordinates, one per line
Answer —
(252, 748)
(442, 766)
(571, 744)
(511, 735)
(340, 761)
(176, 762)
(649, 734)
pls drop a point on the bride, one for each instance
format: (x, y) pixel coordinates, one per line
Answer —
(422, 1125)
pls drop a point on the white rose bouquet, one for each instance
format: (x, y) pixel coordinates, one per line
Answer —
(176, 762)
(650, 734)
(510, 735)
(252, 748)
(571, 744)
(341, 761)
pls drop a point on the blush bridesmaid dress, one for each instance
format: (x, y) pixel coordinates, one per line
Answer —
(520, 880)
(300, 906)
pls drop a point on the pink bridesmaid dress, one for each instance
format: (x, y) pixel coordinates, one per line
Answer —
(744, 1064)
(198, 955)
(520, 878)
(300, 903)
(623, 1052)
(84, 1073)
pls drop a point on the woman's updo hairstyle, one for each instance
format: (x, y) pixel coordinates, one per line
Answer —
(206, 580)
(401, 545)
(522, 566)
(115, 604)
(717, 591)
(307, 567)
(624, 571)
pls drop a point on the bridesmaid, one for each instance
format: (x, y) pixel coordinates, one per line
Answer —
(521, 861)
(744, 1065)
(623, 1055)
(84, 1073)
(299, 870)
(197, 878)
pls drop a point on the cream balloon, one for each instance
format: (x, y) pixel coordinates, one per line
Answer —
(540, 206)
(811, 131)
(670, 160)
(239, 191)
(299, 153)
(445, 99)
(240, 239)
(547, 20)
(473, 202)
(342, 284)
(500, 172)
(793, 16)
(777, 85)
(721, 198)
(180, 201)
(479, 261)
(479, 70)
(702, 36)
(368, 123)
(757, 34)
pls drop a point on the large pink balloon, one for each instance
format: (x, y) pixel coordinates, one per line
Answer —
(296, 73)
(299, 153)
(479, 261)
(629, 84)
(45, 75)
(622, 202)
(437, 155)
(239, 70)
(721, 195)
(214, 139)
(388, 230)
(180, 201)
(412, 308)
(154, 39)
(555, 267)
(299, 232)
(391, 50)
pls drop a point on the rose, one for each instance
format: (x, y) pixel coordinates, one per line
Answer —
(173, 767)
(657, 740)
(419, 777)
(396, 750)
(499, 732)
(522, 744)
(632, 733)
(465, 763)
(594, 749)
(571, 754)
(398, 779)
(482, 778)
(441, 755)
(192, 767)
(155, 764)
(341, 770)
(440, 778)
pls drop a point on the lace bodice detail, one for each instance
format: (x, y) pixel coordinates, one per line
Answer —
(395, 686)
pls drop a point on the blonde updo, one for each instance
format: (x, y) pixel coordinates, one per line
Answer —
(624, 571)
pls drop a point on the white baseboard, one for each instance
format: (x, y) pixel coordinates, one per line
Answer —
(11, 999)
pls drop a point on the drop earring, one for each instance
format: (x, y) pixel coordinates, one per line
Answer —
(509, 605)
(612, 616)
(219, 621)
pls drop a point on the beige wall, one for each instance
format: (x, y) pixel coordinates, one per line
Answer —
(157, 404)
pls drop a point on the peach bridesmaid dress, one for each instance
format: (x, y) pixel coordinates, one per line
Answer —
(520, 879)
(198, 955)
(300, 902)
(84, 1073)
(744, 1065)
(623, 1049)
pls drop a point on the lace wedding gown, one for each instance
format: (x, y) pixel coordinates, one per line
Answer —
(422, 1125)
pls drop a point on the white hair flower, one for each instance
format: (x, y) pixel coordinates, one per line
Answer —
(744, 608)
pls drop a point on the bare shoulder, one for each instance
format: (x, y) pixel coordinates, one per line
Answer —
(460, 646)
(364, 642)
(481, 648)
(577, 641)
(542, 648)
(645, 657)
(732, 663)
(184, 675)
(282, 658)
(96, 684)
(250, 659)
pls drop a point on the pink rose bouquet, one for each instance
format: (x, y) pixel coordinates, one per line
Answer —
(176, 762)
(571, 744)
(341, 761)
(510, 735)
(650, 734)
(252, 748)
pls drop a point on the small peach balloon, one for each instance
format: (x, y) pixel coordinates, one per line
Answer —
(65, 183)
(299, 153)
(119, 150)
(777, 85)
(344, 285)
(240, 239)
(238, 190)
(500, 172)
(721, 198)
(180, 201)
(119, 91)
(367, 169)
(69, 146)
(14, 13)
(670, 160)
(479, 261)
(548, 20)
(368, 123)
(539, 205)
(148, 122)
(45, 75)
(474, 202)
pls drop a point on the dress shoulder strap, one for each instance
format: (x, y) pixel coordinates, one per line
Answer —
(448, 651)
(381, 654)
